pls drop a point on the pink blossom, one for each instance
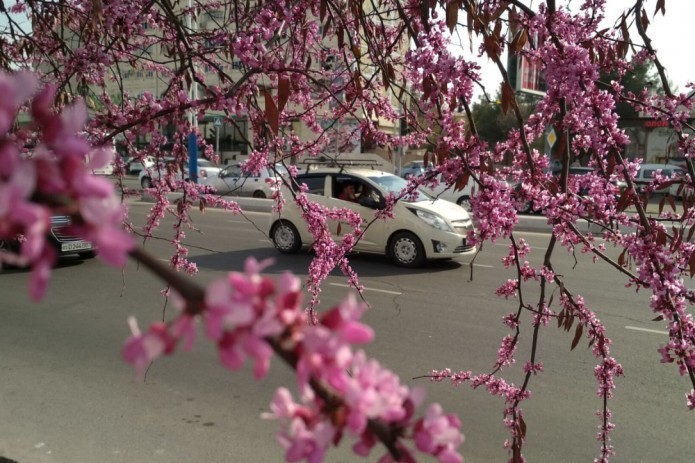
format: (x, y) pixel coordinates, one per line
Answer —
(438, 435)
(142, 349)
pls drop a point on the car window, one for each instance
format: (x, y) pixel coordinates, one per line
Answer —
(231, 171)
(316, 184)
(204, 163)
(394, 184)
(280, 169)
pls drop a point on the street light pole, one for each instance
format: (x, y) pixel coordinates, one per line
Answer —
(192, 117)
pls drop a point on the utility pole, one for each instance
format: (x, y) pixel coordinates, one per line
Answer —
(192, 116)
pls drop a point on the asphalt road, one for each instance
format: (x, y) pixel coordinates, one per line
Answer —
(67, 396)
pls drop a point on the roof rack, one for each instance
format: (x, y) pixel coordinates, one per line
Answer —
(327, 161)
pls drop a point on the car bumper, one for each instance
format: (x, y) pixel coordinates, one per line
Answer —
(443, 245)
(63, 242)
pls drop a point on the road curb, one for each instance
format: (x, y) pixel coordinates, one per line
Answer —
(527, 223)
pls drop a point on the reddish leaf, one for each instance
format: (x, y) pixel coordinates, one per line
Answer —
(660, 237)
(308, 62)
(496, 32)
(644, 19)
(384, 77)
(645, 199)
(462, 181)
(507, 97)
(442, 154)
(677, 239)
(283, 92)
(522, 427)
(391, 71)
(452, 15)
(660, 5)
(322, 9)
(621, 258)
(658, 319)
(520, 40)
(426, 159)
(623, 29)
(327, 26)
(624, 200)
(577, 335)
(498, 12)
(691, 263)
(671, 202)
(491, 45)
(426, 87)
(340, 32)
(691, 232)
(358, 83)
(357, 51)
(339, 229)
(514, 20)
(202, 204)
(271, 112)
(569, 321)
(560, 318)
(661, 204)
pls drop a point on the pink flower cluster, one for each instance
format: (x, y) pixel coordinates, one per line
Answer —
(53, 179)
(342, 391)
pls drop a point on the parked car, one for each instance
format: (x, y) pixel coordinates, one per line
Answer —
(413, 168)
(576, 183)
(232, 180)
(450, 193)
(422, 227)
(133, 166)
(647, 172)
(206, 171)
(62, 241)
(103, 170)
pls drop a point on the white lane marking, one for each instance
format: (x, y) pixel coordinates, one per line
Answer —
(368, 289)
(483, 265)
(647, 330)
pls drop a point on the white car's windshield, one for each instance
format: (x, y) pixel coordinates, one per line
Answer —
(395, 185)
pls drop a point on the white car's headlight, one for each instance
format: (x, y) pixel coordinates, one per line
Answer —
(433, 220)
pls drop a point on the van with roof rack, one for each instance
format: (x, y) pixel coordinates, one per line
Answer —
(422, 227)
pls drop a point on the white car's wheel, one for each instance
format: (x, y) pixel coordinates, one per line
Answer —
(285, 237)
(259, 194)
(464, 202)
(406, 250)
(146, 182)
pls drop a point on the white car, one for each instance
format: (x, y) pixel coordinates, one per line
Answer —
(450, 193)
(133, 166)
(232, 180)
(413, 168)
(422, 228)
(206, 171)
(647, 172)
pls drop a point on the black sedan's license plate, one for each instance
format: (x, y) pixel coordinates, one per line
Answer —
(75, 246)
